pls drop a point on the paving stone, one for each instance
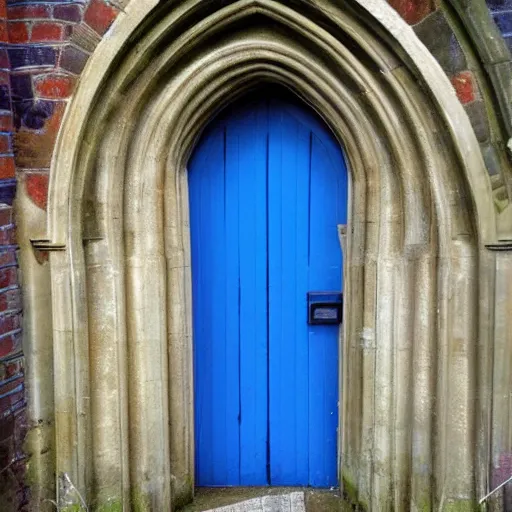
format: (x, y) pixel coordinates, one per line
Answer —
(293, 502)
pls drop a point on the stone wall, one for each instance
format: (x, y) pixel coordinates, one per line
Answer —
(46, 45)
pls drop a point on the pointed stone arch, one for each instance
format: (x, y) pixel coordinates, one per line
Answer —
(420, 214)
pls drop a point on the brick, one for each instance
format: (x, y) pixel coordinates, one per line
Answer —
(7, 169)
(9, 322)
(491, 159)
(99, 16)
(413, 11)
(24, 12)
(478, 116)
(5, 100)
(4, 35)
(71, 13)
(18, 32)
(47, 32)
(6, 124)
(8, 401)
(73, 59)
(7, 236)
(10, 344)
(12, 386)
(34, 149)
(464, 85)
(21, 87)
(504, 21)
(7, 190)
(11, 369)
(37, 188)
(54, 86)
(8, 258)
(33, 56)
(8, 277)
(5, 143)
(10, 300)
(499, 4)
(4, 59)
(5, 215)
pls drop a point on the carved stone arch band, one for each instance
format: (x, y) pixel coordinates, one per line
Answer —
(420, 214)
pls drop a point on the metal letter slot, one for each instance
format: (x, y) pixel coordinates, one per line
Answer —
(325, 308)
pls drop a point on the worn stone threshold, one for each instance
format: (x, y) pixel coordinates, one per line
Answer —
(266, 499)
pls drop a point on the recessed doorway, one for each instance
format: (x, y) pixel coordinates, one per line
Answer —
(268, 190)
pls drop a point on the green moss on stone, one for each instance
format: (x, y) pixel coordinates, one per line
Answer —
(183, 494)
(140, 501)
(113, 506)
(350, 492)
(72, 508)
(461, 506)
(349, 489)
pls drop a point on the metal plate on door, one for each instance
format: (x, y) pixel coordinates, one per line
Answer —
(325, 308)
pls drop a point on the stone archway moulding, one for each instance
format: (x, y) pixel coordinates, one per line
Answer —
(417, 271)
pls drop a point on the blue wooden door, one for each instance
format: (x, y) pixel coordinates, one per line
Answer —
(268, 187)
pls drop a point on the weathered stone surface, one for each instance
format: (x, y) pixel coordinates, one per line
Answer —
(501, 74)
(478, 21)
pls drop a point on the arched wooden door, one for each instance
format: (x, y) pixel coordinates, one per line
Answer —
(268, 187)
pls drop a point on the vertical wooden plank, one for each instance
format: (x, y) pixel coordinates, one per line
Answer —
(246, 164)
(216, 354)
(288, 281)
(328, 205)
(201, 354)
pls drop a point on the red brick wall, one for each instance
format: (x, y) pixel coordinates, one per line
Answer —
(13, 495)
(44, 47)
(49, 47)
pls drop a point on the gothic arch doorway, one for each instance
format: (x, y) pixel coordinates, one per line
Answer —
(420, 209)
